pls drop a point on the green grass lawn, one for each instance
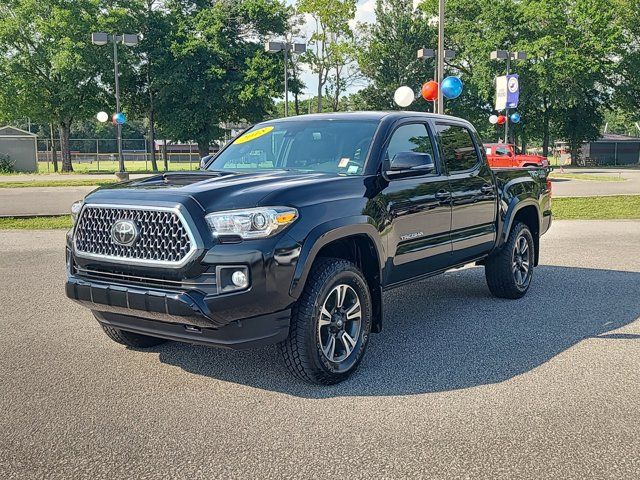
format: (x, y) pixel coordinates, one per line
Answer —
(576, 208)
(588, 177)
(109, 166)
(58, 183)
(596, 208)
(37, 223)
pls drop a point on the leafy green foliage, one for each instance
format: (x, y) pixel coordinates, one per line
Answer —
(6, 164)
(333, 50)
(217, 70)
(48, 63)
(389, 57)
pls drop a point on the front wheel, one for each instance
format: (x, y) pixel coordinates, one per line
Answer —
(330, 324)
(509, 270)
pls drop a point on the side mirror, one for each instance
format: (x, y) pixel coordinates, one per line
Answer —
(204, 161)
(410, 164)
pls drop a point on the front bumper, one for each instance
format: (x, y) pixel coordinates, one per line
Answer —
(179, 316)
(188, 304)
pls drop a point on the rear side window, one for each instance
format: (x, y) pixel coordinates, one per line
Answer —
(410, 138)
(457, 146)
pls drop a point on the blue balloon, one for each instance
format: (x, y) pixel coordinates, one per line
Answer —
(119, 118)
(451, 87)
(515, 117)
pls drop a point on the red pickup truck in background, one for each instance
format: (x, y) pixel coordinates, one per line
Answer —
(508, 155)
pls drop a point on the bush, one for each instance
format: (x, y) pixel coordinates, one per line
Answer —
(6, 164)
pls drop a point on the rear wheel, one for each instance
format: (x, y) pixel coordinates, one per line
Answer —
(509, 270)
(131, 339)
(330, 324)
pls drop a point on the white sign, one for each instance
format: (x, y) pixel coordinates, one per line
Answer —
(501, 93)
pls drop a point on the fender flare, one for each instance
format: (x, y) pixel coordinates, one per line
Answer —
(326, 233)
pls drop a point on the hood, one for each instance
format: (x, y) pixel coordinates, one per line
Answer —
(212, 191)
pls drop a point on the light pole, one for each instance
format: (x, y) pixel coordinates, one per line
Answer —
(508, 56)
(274, 47)
(130, 40)
(441, 54)
(425, 53)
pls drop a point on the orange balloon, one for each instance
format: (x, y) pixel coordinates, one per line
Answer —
(501, 120)
(429, 91)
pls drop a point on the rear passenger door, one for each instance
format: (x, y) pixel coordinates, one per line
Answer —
(418, 208)
(473, 193)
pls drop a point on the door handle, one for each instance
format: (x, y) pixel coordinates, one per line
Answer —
(443, 195)
(487, 189)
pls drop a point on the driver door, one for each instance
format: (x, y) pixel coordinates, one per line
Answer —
(419, 209)
(502, 157)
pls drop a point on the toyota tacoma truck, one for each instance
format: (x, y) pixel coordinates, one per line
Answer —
(291, 233)
(507, 155)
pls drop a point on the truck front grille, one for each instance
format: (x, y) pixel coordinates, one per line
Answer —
(163, 237)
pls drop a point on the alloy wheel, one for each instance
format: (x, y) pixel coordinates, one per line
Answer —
(340, 323)
(521, 262)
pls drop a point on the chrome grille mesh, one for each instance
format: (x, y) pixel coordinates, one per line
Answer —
(163, 237)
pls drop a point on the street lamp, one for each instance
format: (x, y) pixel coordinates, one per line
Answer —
(129, 40)
(425, 53)
(508, 56)
(286, 47)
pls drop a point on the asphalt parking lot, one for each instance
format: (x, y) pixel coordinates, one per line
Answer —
(458, 385)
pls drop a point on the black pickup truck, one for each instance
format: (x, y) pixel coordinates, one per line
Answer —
(291, 233)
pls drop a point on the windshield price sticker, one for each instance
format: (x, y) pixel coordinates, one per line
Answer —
(247, 137)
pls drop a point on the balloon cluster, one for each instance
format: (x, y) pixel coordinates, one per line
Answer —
(118, 118)
(451, 88)
(502, 119)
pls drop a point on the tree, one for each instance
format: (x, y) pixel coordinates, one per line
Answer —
(140, 65)
(571, 46)
(48, 62)
(217, 71)
(388, 59)
(333, 40)
(627, 93)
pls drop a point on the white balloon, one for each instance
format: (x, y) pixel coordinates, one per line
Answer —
(404, 96)
(102, 116)
(493, 119)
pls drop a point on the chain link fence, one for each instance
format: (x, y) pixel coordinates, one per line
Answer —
(99, 155)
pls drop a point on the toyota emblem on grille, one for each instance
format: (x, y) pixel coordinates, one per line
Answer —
(124, 232)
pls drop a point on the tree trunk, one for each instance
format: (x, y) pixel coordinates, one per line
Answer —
(320, 91)
(165, 159)
(203, 147)
(65, 148)
(545, 134)
(336, 98)
(152, 139)
(296, 103)
(54, 152)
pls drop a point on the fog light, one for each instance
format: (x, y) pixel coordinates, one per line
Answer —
(239, 279)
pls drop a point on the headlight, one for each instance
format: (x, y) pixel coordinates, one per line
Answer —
(252, 222)
(75, 210)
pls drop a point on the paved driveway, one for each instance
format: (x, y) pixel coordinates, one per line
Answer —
(40, 200)
(458, 385)
(563, 187)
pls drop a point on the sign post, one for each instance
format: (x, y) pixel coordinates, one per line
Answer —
(507, 96)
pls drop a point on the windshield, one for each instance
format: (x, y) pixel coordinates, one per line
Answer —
(329, 146)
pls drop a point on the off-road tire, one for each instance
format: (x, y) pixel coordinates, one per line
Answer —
(302, 350)
(131, 339)
(498, 267)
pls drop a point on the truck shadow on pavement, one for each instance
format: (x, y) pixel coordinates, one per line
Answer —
(448, 333)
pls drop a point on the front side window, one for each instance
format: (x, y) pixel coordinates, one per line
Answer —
(410, 138)
(457, 146)
(327, 146)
